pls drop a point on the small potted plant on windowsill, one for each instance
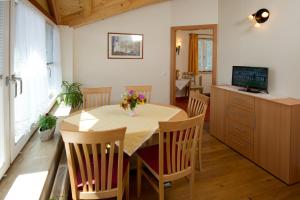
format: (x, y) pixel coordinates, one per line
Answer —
(47, 124)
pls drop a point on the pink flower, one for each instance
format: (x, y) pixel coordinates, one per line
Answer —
(141, 96)
(131, 92)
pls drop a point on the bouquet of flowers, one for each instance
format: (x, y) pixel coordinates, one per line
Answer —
(131, 99)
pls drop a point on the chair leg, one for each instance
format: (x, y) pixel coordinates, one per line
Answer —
(127, 184)
(186, 89)
(74, 194)
(120, 195)
(192, 181)
(161, 190)
(139, 177)
(199, 155)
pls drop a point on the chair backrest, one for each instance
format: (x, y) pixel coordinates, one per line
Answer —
(177, 141)
(200, 80)
(95, 97)
(197, 104)
(177, 74)
(189, 75)
(143, 89)
(86, 152)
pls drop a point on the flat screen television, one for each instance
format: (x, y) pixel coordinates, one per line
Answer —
(251, 79)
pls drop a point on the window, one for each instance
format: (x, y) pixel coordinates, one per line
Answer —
(36, 67)
(205, 48)
(37, 63)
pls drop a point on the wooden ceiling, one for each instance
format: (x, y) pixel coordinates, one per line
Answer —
(76, 13)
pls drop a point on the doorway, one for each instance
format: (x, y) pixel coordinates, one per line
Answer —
(205, 74)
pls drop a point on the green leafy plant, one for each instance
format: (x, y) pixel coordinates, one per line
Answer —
(71, 94)
(47, 122)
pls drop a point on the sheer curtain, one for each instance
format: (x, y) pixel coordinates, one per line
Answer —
(30, 65)
(56, 72)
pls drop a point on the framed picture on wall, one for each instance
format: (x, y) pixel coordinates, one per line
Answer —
(125, 46)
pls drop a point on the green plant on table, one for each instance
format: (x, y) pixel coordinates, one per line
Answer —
(71, 94)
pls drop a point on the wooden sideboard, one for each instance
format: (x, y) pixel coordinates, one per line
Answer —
(264, 128)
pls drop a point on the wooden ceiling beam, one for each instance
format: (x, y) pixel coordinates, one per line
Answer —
(45, 12)
(87, 7)
(70, 7)
(104, 11)
(53, 8)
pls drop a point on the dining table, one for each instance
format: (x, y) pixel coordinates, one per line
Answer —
(140, 127)
(182, 83)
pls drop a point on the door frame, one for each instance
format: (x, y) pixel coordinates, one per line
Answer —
(174, 29)
(5, 98)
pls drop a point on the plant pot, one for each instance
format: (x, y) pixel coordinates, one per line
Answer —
(47, 134)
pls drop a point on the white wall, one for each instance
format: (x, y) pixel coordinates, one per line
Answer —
(275, 44)
(194, 12)
(92, 68)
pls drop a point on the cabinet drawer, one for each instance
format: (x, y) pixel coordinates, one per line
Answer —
(240, 131)
(242, 116)
(242, 101)
(240, 145)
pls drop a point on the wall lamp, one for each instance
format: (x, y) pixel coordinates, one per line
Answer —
(178, 45)
(260, 17)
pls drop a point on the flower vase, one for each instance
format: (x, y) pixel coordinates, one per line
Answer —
(132, 112)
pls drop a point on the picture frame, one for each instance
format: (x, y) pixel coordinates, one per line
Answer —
(125, 46)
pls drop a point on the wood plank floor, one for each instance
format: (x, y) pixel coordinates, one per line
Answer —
(226, 175)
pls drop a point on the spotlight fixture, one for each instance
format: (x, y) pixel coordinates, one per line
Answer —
(260, 16)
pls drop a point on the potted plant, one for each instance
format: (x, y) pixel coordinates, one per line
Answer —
(47, 124)
(71, 95)
(131, 99)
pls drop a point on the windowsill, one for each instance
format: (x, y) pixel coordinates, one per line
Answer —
(205, 71)
(31, 175)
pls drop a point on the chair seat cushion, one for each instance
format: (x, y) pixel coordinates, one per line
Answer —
(114, 171)
(150, 155)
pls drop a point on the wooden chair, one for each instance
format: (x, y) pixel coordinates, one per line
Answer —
(95, 97)
(96, 171)
(197, 105)
(191, 77)
(196, 86)
(174, 157)
(144, 89)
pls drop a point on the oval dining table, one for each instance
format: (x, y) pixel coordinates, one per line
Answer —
(140, 128)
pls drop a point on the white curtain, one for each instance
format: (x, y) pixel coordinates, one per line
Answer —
(30, 65)
(56, 72)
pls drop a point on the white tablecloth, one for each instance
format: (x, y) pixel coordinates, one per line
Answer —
(181, 83)
(139, 128)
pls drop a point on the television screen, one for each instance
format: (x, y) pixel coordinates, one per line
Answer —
(250, 77)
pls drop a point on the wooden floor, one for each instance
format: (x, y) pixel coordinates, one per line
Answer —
(226, 175)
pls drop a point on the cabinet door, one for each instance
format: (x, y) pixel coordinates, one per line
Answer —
(271, 137)
(240, 138)
(218, 113)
